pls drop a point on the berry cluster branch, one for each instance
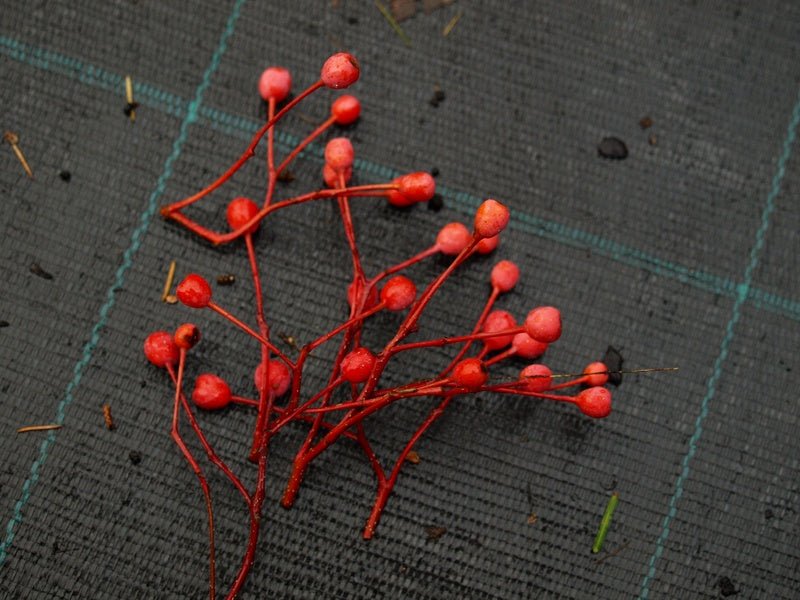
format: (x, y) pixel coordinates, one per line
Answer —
(353, 389)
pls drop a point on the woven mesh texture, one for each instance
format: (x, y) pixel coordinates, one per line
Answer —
(683, 254)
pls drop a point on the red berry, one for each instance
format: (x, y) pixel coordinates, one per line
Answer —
(398, 293)
(275, 83)
(211, 392)
(194, 291)
(544, 324)
(453, 238)
(160, 349)
(346, 109)
(340, 71)
(470, 373)
(239, 213)
(488, 245)
(279, 377)
(490, 218)
(416, 187)
(596, 373)
(527, 347)
(498, 320)
(339, 154)
(595, 402)
(505, 275)
(187, 336)
(357, 365)
(397, 199)
(331, 176)
(537, 378)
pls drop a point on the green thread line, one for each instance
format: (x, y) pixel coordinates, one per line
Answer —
(742, 293)
(237, 126)
(190, 117)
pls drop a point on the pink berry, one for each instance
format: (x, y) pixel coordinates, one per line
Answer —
(331, 176)
(470, 373)
(194, 291)
(346, 109)
(527, 347)
(211, 392)
(537, 378)
(416, 187)
(275, 83)
(490, 218)
(453, 238)
(398, 293)
(339, 154)
(595, 402)
(596, 373)
(357, 365)
(187, 336)
(488, 245)
(505, 275)
(239, 213)
(160, 349)
(279, 377)
(498, 320)
(544, 324)
(340, 71)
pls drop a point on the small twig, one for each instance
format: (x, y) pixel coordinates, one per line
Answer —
(394, 25)
(31, 428)
(168, 283)
(449, 27)
(130, 109)
(13, 140)
(612, 553)
(628, 372)
(110, 425)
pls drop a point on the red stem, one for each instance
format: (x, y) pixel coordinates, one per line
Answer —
(248, 330)
(385, 488)
(176, 436)
(248, 154)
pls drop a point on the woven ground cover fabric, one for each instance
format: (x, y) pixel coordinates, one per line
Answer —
(682, 254)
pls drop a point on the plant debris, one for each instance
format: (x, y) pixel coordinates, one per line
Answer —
(434, 532)
(109, 420)
(652, 139)
(612, 148)
(13, 141)
(726, 587)
(393, 23)
(30, 428)
(451, 25)
(413, 458)
(436, 203)
(37, 270)
(613, 360)
(437, 98)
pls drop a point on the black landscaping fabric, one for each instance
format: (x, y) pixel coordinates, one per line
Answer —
(684, 253)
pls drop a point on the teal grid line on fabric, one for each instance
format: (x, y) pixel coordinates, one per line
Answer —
(465, 203)
(191, 116)
(742, 293)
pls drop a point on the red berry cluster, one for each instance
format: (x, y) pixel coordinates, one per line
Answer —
(356, 370)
